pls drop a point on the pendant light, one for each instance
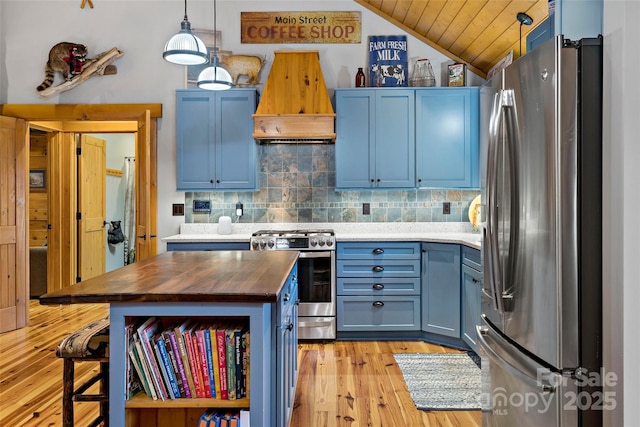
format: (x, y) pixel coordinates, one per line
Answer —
(215, 77)
(185, 48)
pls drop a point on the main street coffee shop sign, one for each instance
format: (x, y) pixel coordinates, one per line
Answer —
(300, 27)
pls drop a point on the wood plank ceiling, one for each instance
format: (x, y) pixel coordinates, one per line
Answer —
(478, 33)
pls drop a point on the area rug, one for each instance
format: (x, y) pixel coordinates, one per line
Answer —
(442, 381)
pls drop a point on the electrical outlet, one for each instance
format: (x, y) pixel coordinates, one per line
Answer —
(366, 209)
(178, 209)
(446, 208)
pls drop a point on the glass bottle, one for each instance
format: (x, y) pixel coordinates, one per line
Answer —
(360, 78)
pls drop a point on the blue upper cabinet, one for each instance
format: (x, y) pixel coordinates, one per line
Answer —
(541, 33)
(375, 142)
(214, 146)
(447, 150)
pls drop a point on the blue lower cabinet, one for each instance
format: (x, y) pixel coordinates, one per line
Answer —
(378, 287)
(441, 289)
(378, 313)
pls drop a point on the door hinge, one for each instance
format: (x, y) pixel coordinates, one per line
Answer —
(78, 216)
(78, 151)
(48, 226)
(78, 279)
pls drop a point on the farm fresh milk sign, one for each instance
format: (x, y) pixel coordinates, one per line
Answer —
(388, 61)
(300, 27)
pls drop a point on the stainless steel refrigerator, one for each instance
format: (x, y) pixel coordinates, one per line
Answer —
(541, 166)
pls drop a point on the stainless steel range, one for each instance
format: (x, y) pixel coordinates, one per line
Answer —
(316, 276)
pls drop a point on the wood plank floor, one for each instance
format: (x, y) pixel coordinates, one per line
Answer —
(345, 383)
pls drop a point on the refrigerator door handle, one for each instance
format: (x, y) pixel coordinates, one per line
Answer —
(512, 144)
(491, 240)
(488, 341)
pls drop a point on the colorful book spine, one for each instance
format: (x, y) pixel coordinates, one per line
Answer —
(222, 363)
(214, 357)
(145, 367)
(146, 332)
(135, 361)
(210, 365)
(204, 368)
(179, 335)
(230, 346)
(193, 362)
(170, 377)
(245, 363)
(163, 370)
(166, 335)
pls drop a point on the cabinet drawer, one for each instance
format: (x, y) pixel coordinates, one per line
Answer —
(472, 258)
(378, 250)
(378, 268)
(384, 286)
(384, 313)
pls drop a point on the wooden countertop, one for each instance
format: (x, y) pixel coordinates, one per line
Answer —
(213, 276)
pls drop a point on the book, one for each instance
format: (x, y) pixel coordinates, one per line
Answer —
(238, 363)
(214, 357)
(206, 417)
(204, 366)
(187, 335)
(163, 369)
(170, 378)
(388, 61)
(142, 360)
(210, 365)
(230, 347)
(146, 331)
(245, 418)
(245, 363)
(135, 361)
(134, 383)
(222, 362)
(190, 388)
(171, 350)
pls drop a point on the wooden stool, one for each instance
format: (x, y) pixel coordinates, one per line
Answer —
(88, 344)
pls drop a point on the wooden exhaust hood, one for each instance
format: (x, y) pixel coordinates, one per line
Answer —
(295, 105)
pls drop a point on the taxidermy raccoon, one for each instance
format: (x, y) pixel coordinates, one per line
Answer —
(65, 58)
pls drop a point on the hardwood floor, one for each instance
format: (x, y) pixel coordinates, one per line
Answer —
(345, 383)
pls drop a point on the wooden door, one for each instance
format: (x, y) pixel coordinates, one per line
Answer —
(14, 229)
(62, 240)
(146, 188)
(92, 195)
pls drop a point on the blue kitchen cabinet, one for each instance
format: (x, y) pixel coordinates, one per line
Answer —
(471, 295)
(377, 288)
(214, 146)
(540, 34)
(375, 138)
(447, 147)
(441, 289)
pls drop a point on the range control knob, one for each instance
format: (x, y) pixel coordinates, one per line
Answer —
(313, 242)
(321, 242)
(329, 242)
(254, 244)
(271, 243)
(263, 244)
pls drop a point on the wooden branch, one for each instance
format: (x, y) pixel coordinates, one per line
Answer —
(98, 66)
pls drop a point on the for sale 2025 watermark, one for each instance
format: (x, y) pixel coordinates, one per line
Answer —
(583, 391)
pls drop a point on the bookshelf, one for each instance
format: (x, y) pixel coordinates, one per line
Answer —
(271, 381)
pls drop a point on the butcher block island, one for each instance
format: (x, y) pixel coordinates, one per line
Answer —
(255, 290)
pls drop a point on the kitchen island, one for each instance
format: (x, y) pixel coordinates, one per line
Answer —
(258, 289)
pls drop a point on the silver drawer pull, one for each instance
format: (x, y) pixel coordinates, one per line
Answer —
(378, 268)
(378, 251)
(378, 304)
(378, 286)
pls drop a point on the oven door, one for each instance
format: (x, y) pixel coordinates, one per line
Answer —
(316, 292)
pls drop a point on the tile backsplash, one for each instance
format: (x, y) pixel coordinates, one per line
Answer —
(297, 184)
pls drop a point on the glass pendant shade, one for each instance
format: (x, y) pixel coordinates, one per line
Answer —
(185, 48)
(215, 78)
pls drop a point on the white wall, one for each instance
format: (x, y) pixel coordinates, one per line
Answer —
(28, 29)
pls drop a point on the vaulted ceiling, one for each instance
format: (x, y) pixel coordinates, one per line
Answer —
(478, 33)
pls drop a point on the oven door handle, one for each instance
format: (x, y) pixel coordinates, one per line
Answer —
(315, 254)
